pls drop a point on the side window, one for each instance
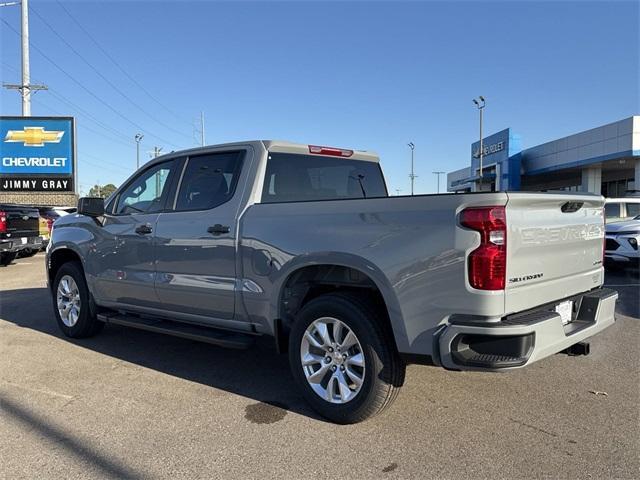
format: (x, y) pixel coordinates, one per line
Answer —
(633, 209)
(209, 180)
(147, 192)
(612, 210)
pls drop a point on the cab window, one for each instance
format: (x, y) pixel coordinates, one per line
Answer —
(209, 180)
(147, 192)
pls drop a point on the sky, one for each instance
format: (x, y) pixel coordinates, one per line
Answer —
(367, 75)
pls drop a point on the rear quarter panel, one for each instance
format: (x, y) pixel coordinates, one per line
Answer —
(409, 246)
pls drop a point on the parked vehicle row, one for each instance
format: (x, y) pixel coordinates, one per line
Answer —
(302, 243)
(25, 230)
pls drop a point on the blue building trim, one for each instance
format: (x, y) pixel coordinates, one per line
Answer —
(582, 163)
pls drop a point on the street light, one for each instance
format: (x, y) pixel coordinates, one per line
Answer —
(412, 176)
(138, 138)
(438, 174)
(480, 104)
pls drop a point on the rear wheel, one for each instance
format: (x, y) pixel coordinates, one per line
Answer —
(7, 257)
(344, 359)
(72, 303)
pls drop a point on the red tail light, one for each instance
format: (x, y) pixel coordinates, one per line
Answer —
(488, 262)
(49, 225)
(3, 222)
(333, 152)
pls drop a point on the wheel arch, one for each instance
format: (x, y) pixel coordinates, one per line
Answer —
(312, 275)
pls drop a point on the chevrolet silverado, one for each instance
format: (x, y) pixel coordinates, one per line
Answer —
(302, 243)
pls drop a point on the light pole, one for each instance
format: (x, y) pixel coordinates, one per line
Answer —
(438, 173)
(480, 104)
(412, 176)
(25, 88)
(138, 138)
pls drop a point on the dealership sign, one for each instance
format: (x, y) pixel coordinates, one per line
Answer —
(37, 154)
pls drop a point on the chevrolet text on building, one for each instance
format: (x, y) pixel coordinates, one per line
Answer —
(37, 154)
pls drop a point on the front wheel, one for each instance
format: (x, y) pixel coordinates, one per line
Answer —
(72, 303)
(343, 357)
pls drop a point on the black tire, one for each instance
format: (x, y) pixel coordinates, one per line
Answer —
(87, 324)
(384, 372)
(7, 257)
(27, 252)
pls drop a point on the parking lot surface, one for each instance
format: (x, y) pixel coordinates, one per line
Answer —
(133, 404)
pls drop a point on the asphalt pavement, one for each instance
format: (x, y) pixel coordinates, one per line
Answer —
(134, 404)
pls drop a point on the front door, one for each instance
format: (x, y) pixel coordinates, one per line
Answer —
(124, 258)
(195, 243)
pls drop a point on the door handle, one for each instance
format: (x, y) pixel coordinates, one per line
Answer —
(144, 229)
(218, 229)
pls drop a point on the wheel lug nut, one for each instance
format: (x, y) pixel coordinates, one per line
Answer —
(327, 359)
(344, 355)
(333, 368)
(342, 367)
(330, 349)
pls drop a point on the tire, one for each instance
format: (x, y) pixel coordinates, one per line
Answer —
(383, 370)
(27, 252)
(7, 257)
(83, 323)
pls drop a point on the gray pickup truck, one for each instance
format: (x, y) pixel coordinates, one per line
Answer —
(302, 243)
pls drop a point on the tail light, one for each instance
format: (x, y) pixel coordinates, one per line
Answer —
(487, 263)
(3, 221)
(49, 225)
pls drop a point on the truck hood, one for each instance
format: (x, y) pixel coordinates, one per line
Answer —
(626, 226)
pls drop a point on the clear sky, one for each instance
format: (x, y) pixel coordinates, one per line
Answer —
(364, 75)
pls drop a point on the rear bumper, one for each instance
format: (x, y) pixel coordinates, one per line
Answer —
(15, 244)
(520, 340)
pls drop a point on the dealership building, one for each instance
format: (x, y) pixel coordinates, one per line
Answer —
(604, 160)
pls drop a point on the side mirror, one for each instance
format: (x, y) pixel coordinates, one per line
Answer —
(91, 206)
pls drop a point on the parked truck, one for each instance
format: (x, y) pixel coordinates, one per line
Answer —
(19, 231)
(302, 243)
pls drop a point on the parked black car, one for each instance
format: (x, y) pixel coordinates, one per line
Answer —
(19, 230)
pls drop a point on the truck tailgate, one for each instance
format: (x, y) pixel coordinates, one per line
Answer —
(554, 247)
(22, 221)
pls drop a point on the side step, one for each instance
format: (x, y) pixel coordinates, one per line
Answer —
(198, 333)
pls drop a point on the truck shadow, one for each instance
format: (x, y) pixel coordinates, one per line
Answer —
(258, 373)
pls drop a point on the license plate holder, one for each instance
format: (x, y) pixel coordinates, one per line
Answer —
(565, 309)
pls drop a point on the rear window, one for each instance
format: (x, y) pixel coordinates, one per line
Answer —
(298, 178)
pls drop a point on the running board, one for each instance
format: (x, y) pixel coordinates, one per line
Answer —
(198, 333)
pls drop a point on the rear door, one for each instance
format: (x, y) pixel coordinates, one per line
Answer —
(554, 247)
(195, 243)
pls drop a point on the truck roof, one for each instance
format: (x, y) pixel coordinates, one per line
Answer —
(283, 146)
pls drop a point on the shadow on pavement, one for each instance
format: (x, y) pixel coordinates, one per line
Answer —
(258, 373)
(61, 438)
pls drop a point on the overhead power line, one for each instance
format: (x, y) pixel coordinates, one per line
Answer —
(115, 62)
(74, 80)
(103, 77)
(120, 137)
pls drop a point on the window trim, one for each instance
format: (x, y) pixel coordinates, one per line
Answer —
(116, 200)
(232, 191)
(264, 180)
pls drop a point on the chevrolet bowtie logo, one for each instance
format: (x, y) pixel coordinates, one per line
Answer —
(33, 136)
